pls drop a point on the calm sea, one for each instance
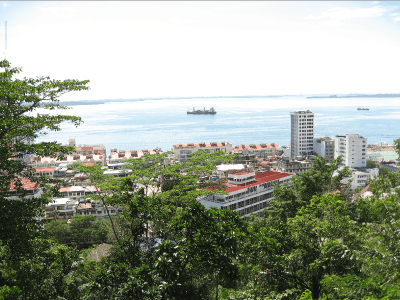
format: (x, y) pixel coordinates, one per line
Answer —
(147, 124)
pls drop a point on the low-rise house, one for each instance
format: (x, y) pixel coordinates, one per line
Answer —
(47, 172)
(60, 208)
(391, 166)
(31, 189)
(97, 209)
(181, 151)
(77, 192)
(248, 192)
(360, 176)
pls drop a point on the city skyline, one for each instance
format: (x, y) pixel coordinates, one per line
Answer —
(193, 49)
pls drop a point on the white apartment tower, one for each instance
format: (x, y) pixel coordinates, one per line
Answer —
(302, 133)
(353, 149)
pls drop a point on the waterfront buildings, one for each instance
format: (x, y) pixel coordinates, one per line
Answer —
(353, 149)
(248, 192)
(90, 150)
(259, 151)
(181, 151)
(95, 154)
(302, 133)
(117, 157)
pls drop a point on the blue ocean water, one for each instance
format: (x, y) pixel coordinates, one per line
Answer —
(147, 124)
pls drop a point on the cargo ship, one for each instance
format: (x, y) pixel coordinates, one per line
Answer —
(210, 111)
(362, 108)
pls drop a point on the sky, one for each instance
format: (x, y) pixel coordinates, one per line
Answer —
(135, 49)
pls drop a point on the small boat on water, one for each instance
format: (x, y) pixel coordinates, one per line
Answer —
(205, 111)
(362, 108)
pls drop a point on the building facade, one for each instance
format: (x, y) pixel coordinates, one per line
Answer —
(325, 147)
(181, 152)
(302, 133)
(117, 157)
(248, 192)
(291, 165)
(353, 149)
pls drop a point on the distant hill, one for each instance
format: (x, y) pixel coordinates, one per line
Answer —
(359, 96)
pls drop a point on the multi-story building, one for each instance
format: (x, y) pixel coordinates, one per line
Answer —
(77, 192)
(325, 147)
(181, 152)
(97, 209)
(302, 133)
(85, 150)
(60, 208)
(291, 165)
(65, 208)
(82, 155)
(260, 151)
(117, 157)
(353, 149)
(248, 192)
(360, 176)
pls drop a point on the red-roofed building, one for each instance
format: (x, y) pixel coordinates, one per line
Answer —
(261, 150)
(47, 172)
(31, 189)
(181, 151)
(248, 192)
(251, 154)
(122, 155)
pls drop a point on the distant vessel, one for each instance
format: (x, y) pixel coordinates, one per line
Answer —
(210, 111)
(362, 108)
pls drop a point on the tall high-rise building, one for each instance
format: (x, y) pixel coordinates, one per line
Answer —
(302, 133)
(353, 149)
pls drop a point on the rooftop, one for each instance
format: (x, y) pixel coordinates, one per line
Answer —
(201, 145)
(260, 178)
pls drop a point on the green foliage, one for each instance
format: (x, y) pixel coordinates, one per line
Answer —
(383, 171)
(372, 164)
(20, 124)
(82, 231)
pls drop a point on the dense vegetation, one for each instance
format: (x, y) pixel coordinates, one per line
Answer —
(319, 241)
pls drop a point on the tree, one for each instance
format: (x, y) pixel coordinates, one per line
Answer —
(372, 164)
(323, 177)
(20, 124)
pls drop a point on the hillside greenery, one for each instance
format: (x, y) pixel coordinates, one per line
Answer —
(317, 240)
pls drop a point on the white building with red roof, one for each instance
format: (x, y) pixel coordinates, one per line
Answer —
(248, 192)
(181, 151)
(77, 192)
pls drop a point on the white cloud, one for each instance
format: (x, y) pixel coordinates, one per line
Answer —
(333, 23)
(340, 13)
(396, 17)
(5, 4)
(55, 10)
